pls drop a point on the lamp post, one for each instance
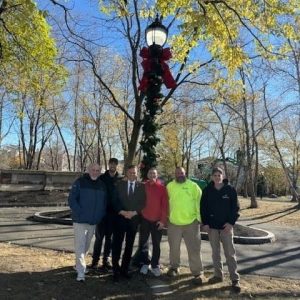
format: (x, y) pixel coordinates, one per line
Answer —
(156, 72)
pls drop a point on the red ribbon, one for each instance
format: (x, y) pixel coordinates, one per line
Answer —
(168, 79)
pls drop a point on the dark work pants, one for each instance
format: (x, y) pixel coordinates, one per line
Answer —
(123, 229)
(103, 230)
(147, 228)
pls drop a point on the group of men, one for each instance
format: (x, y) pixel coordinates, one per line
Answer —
(117, 208)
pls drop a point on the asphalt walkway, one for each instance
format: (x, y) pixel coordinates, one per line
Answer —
(278, 259)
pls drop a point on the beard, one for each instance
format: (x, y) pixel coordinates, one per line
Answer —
(181, 179)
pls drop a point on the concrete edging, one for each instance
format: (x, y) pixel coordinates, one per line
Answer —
(267, 237)
(45, 218)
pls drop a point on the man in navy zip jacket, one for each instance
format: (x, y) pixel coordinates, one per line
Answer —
(87, 200)
(219, 212)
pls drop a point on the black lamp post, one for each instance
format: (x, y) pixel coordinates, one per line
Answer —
(156, 36)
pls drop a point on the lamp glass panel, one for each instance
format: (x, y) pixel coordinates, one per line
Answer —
(156, 36)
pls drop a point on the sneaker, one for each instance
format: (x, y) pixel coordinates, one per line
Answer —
(172, 272)
(156, 271)
(236, 287)
(80, 278)
(144, 269)
(215, 279)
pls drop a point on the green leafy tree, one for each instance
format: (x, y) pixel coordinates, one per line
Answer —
(25, 40)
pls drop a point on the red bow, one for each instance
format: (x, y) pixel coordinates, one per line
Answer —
(168, 79)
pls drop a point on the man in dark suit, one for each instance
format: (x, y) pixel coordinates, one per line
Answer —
(128, 203)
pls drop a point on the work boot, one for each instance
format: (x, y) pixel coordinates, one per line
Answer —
(172, 272)
(198, 279)
(215, 279)
(236, 287)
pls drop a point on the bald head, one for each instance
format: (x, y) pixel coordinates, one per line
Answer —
(94, 171)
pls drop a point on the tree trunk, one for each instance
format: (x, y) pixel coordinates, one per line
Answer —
(281, 160)
(132, 144)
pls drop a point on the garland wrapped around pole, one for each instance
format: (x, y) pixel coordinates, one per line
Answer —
(156, 72)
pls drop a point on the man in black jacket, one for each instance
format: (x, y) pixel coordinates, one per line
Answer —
(219, 212)
(105, 228)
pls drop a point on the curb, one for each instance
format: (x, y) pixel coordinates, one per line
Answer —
(263, 236)
(45, 217)
(268, 237)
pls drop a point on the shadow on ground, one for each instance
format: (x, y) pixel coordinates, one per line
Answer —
(60, 284)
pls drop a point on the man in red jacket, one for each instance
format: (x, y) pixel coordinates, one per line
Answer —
(154, 218)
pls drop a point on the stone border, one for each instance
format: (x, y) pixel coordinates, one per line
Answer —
(267, 237)
(45, 217)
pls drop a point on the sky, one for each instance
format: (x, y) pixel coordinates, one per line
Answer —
(90, 10)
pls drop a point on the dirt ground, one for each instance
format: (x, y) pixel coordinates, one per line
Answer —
(276, 211)
(32, 273)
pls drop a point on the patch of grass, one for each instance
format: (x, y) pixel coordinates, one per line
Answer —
(268, 211)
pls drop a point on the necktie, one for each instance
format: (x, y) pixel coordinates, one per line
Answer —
(130, 189)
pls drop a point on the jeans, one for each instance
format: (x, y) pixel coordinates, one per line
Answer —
(104, 229)
(147, 228)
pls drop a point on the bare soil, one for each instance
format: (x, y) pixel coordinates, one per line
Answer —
(32, 273)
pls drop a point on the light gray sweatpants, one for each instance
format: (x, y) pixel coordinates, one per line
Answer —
(83, 234)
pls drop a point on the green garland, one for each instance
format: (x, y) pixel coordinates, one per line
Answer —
(150, 127)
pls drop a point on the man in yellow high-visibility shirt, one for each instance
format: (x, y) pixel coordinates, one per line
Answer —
(184, 222)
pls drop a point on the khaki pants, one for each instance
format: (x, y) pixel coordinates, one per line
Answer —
(191, 235)
(226, 238)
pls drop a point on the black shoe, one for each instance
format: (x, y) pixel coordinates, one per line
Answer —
(116, 277)
(93, 265)
(126, 275)
(236, 287)
(107, 265)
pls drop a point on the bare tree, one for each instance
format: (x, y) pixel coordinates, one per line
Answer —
(281, 159)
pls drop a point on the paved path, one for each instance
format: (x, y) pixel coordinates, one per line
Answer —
(279, 259)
